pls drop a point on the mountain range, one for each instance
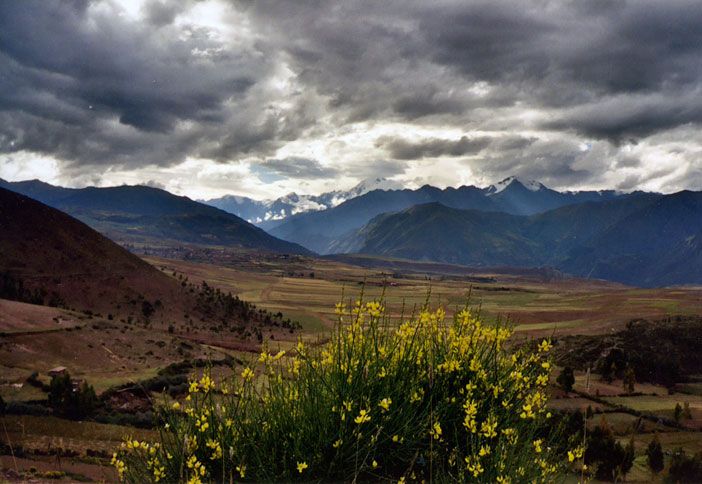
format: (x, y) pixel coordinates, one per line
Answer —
(268, 213)
(639, 238)
(326, 231)
(643, 239)
(142, 214)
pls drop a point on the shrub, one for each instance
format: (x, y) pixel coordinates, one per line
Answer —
(24, 408)
(613, 460)
(566, 379)
(654, 454)
(424, 399)
(71, 402)
(684, 468)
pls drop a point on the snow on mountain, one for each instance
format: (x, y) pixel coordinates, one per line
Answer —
(370, 184)
(258, 211)
(531, 185)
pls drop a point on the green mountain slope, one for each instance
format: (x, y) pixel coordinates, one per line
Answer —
(644, 239)
(330, 230)
(141, 214)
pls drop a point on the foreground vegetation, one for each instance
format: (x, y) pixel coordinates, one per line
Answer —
(424, 398)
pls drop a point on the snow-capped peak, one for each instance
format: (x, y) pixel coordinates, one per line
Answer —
(370, 184)
(531, 185)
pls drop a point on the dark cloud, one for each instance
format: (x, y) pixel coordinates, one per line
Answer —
(161, 12)
(403, 149)
(294, 167)
(630, 117)
(155, 184)
(90, 87)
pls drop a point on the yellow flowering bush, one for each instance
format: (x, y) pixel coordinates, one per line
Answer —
(419, 398)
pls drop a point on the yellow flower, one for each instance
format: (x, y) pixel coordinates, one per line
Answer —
(176, 406)
(395, 438)
(435, 432)
(247, 374)
(301, 466)
(362, 417)
(537, 446)
(337, 443)
(374, 464)
(484, 450)
(241, 469)
(385, 404)
(488, 428)
(474, 467)
(206, 383)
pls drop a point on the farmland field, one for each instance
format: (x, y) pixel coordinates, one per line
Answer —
(534, 304)
(111, 353)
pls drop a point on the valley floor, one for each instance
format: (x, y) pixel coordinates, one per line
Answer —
(35, 339)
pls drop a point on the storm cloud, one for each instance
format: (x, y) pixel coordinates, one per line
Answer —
(299, 168)
(587, 93)
(403, 149)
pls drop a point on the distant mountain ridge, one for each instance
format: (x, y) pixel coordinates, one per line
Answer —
(142, 214)
(268, 213)
(325, 230)
(644, 239)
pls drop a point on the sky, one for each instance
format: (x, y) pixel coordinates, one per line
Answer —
(261, 98)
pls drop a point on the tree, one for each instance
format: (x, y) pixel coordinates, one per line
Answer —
(687, 413)
(147, 309)
(69, 401)
(677, 413)
(589, 413)
(566, 379)
(612, 459)
(685, 468)
(629, 379)
(654, 454)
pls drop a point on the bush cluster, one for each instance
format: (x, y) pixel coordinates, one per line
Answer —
(419, 398)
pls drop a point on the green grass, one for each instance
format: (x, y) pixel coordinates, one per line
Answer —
(659, 404)
(309, 322)
(691, 388)
(50, 432)
(554, 326)
(102, 383)
(13, 394)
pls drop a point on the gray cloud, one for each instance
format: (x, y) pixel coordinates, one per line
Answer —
(92, 88)
(295, 167)
(402, 149)
(161, 12)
